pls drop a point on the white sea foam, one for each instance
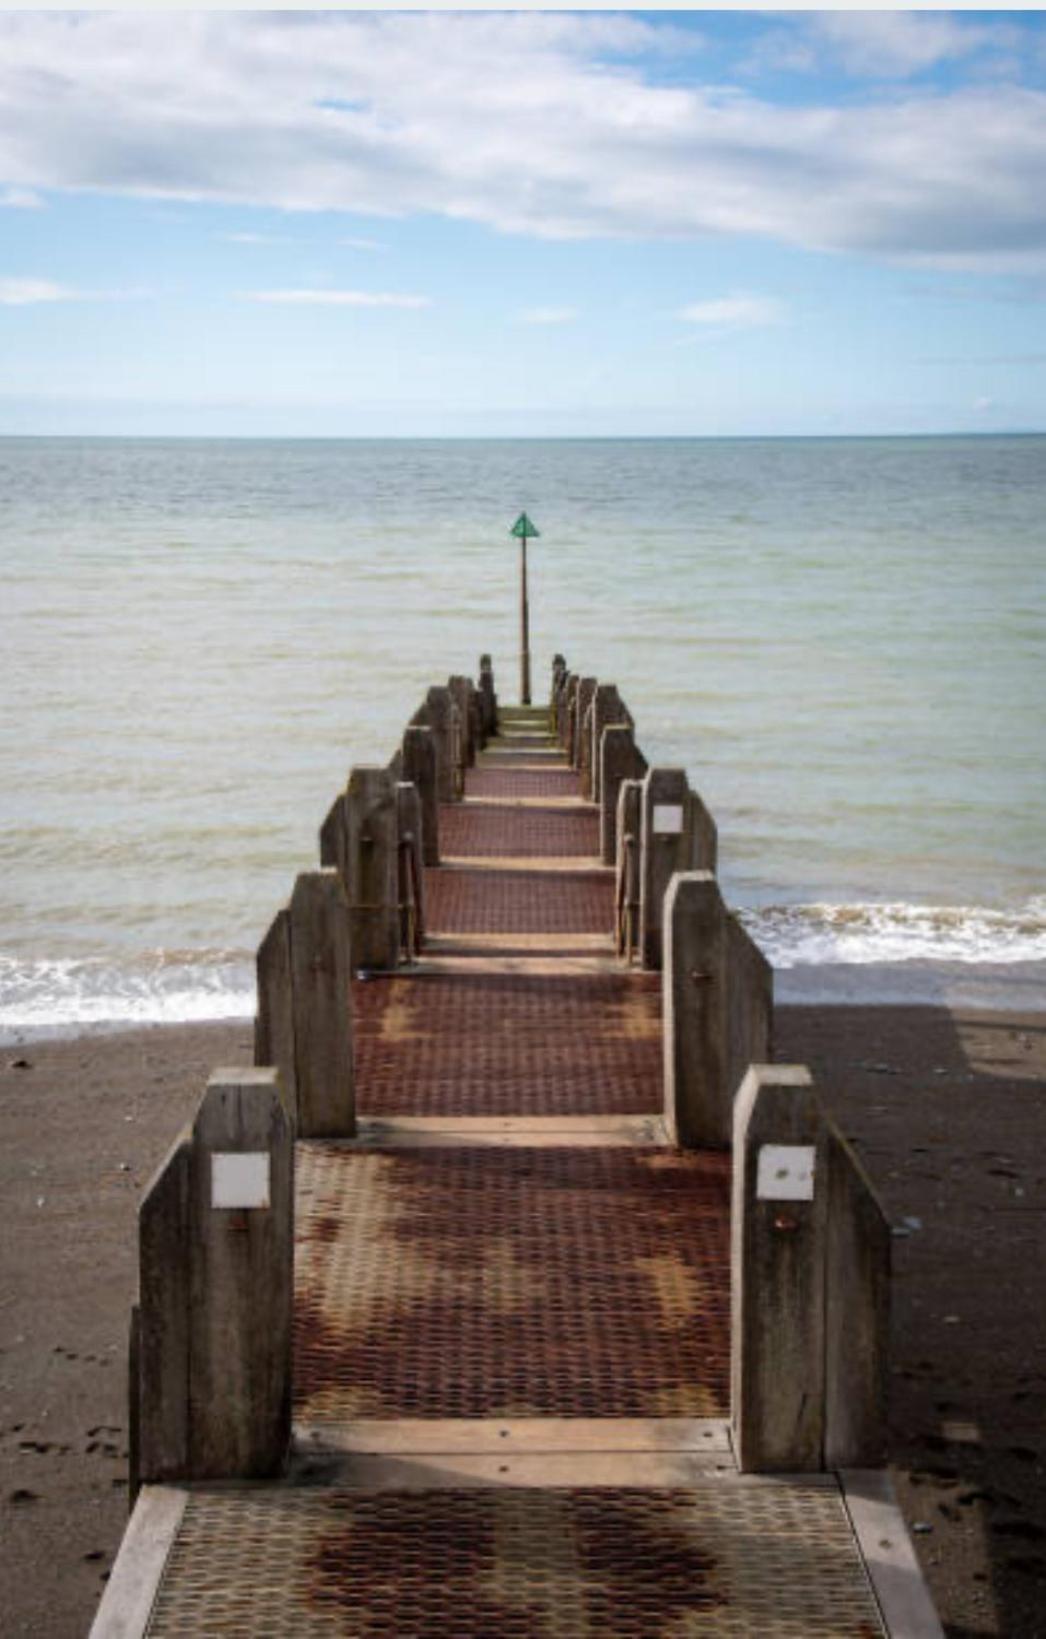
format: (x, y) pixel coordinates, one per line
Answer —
(67, 996)
(873, 934)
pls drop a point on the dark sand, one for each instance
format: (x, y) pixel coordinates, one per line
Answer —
(948, 1112)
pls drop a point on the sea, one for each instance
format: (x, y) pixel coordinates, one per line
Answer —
(842, 640)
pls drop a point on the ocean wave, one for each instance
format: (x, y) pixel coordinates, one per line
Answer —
(65, 995)
(825, 934)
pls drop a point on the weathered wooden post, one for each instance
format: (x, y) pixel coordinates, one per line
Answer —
(629, 817)
(677, 833)
(559, 672)
(211, 1391)
(582, 700)
(585, 753)
(565, 713)
(718, 1011)
(436, 713)
(461, 692)
(607, 707)
(303, 1024)
(420, 768)
(620, 759)
(810, 1260)
(488, 698)
(410, 875)
(367, 838)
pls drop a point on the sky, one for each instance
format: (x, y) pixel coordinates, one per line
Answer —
(522, 223)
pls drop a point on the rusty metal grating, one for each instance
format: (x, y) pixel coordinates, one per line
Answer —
(509, 1044)
(521, 782)
(725, 1560)
(479, 1281)
(493, 901)
(517, 832)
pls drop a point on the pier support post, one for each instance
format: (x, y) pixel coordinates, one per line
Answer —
(436, 713)
(488, 698)
(303, 1024)
(565, 713)
(607, 708)
(461, 692)
(361, 837)
(419, 767)
(582, 700)
(410, 875)
(677, 834)
(810, 1269)
(718, 1011)
(620, 759)
(211, 1394)
(627, 862)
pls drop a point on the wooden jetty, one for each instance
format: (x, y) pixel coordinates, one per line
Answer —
(516, 1291)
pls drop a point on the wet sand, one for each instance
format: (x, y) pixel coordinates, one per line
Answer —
(948, 1111)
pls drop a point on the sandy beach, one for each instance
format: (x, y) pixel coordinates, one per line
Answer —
(946, 1111)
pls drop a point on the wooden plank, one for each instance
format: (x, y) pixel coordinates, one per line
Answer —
(441, 1436)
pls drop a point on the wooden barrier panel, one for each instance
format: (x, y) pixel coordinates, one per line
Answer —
(677, 834)
(718, 1011)
(303, 1024)
(619, 759)
(419, 767)
(810, 1271)
(211, 1396)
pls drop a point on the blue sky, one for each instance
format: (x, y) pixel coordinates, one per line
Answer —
(522, 223)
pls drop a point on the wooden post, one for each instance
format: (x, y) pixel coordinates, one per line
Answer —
(620, 759)
(677, 834)
(303, 1025)
(436, 713)
(778, 1225)
(565, 713)
(419, 767)
(410, 873)
(461, 692)
(488, 698)
(718, 1011)
(810, 1273)
(212, 1395)
(607, 707)
(373, 848)
(582, 700)
(585, 753)
(627, 886)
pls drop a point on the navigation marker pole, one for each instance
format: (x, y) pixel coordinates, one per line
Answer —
(523, 529)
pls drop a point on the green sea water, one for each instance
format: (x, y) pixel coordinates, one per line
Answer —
(842, 640)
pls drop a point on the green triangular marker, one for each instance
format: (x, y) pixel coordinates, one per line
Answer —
(523, 528)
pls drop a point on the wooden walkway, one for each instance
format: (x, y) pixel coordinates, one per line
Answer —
(512, 1306)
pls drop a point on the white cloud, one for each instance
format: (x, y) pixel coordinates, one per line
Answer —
(361, 244)
(20, 199)
(252, 238)
(529, 123)
(26, 292)
(548, 315)
(739, 311)
(337, 298)
(902, 42)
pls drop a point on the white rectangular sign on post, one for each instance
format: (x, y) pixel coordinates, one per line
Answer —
(668, 819)
(240, 1180)
(786, 1172)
